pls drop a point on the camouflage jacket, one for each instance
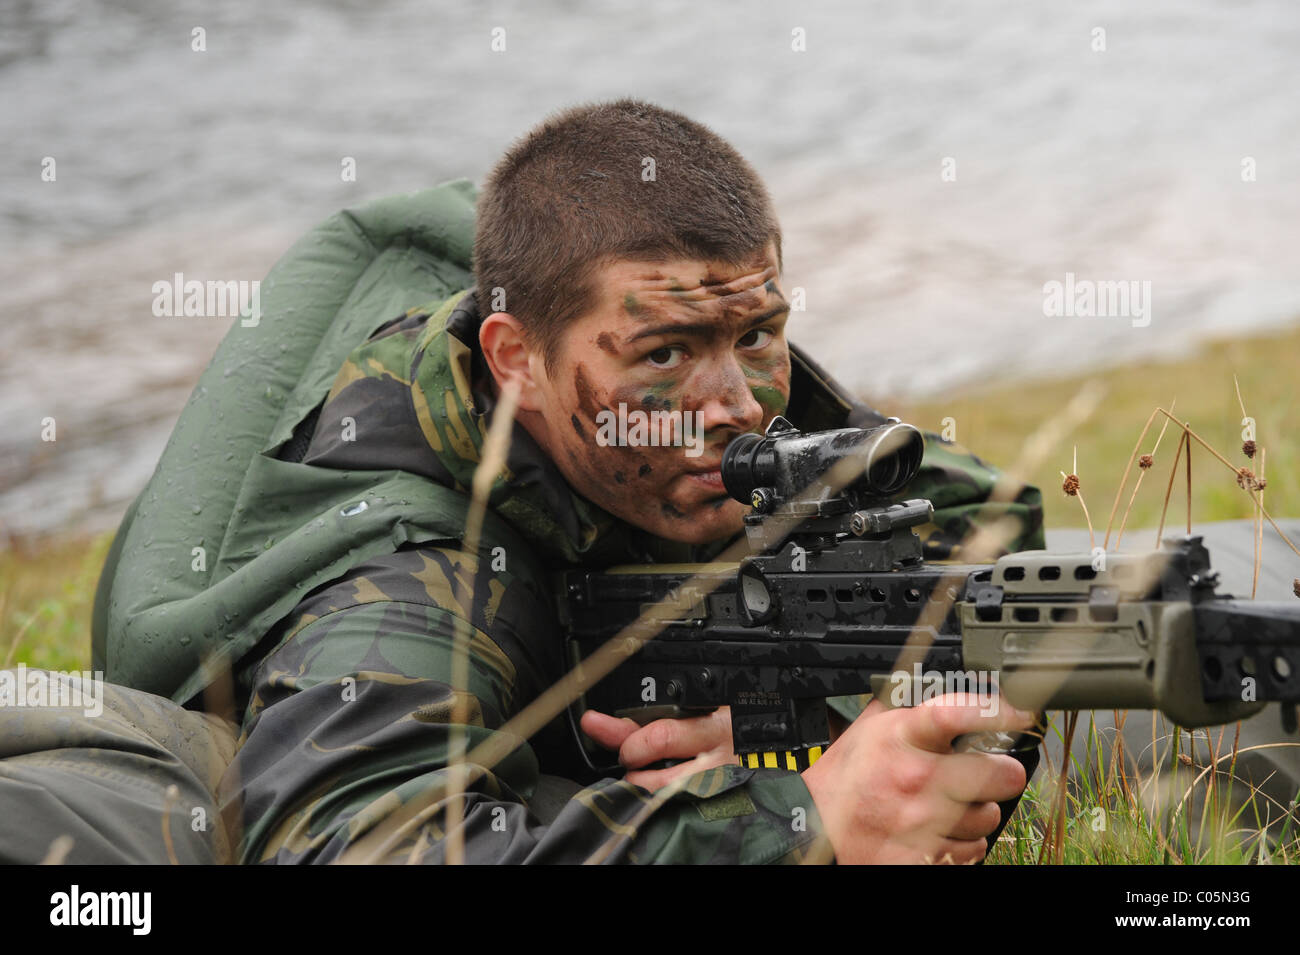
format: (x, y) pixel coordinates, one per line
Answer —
(348, 733)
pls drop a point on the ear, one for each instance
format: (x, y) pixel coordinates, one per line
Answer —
(509, 357)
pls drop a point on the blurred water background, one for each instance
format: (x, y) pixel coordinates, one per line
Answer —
(1118, 164)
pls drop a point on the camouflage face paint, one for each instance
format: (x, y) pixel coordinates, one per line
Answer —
(645, 397)
(588, 401)
(680, 293)
(595, 463)
(654, 400)
(772, 399)
(669, 486)
(769, 383)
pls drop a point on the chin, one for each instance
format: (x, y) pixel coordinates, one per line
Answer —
(705, 525)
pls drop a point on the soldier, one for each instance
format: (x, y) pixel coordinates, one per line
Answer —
(612, 294)
(597, 292)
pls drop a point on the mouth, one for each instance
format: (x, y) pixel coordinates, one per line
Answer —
(708, 479)
(707, 476)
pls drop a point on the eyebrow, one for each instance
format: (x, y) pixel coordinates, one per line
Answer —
(702, 329)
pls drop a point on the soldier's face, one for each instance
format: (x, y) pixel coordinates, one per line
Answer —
(675, 361)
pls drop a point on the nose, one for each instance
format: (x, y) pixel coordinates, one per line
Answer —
(729, 404)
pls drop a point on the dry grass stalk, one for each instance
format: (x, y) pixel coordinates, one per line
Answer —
(1248, 448)
(1074, 488)
(1259, 528)
(1173, 472)
(58, 850)
(1053, 846)
(1251, 490)
(1137, 445)
(18, 638)
(491, 463)
(170, 798)
(1145, 463)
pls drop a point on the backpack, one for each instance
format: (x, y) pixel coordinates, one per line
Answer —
(231, 531)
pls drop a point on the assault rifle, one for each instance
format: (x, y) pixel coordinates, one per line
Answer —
(834, 598)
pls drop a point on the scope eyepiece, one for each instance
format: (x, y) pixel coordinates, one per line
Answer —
(786, 462)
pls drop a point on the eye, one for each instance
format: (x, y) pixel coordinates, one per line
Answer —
(756, 338)
(670, 356)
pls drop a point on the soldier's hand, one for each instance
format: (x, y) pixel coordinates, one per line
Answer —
(891, 789)
(703, 742)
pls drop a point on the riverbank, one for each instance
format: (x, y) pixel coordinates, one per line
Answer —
(994, 422)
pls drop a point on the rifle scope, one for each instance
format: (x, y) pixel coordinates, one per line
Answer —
(785, 462)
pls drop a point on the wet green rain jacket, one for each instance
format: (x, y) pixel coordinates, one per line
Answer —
(302, 535)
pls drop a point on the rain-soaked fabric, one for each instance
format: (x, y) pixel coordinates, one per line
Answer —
(227, 536)
(129, 779)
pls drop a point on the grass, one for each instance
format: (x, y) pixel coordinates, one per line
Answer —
(994, 421)
(47, 593)
(47, 587)
(1110, 819)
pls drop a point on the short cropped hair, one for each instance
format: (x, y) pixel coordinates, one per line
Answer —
(576, 193)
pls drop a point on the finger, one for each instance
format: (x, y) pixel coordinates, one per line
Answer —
(608, 731)
(655, 779)
(934, 724)
(981, 777)
(676, 739)
(977, 822)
